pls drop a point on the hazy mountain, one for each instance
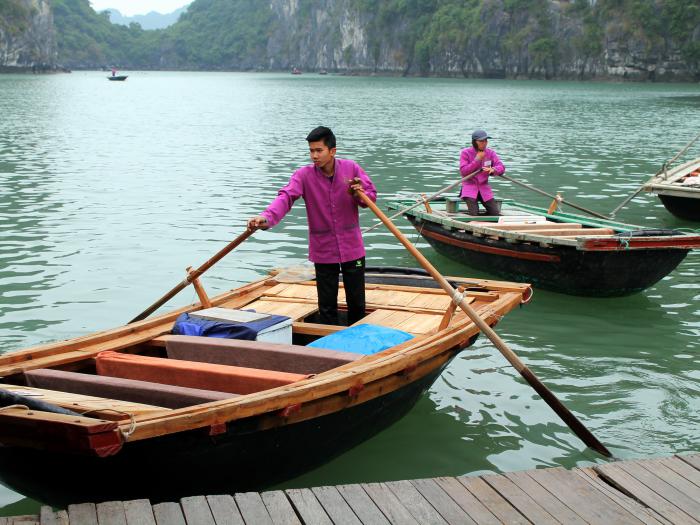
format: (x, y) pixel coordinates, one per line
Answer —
(152, 20)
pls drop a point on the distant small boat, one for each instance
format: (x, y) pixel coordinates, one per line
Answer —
(118, 77)
(296, 71)
(323, 72)
(679, 190)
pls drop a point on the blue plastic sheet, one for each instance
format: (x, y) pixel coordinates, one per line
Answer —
(364, 339)
(186, 324)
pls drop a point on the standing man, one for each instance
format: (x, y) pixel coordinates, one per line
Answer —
(335, 240)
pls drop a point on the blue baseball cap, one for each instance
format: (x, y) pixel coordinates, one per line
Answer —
(480, 134)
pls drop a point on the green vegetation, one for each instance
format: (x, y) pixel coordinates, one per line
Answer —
(15, 16)
(528, 37)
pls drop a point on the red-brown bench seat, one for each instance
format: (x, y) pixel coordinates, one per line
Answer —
(223, 378)
(256, 354)
(156, 394)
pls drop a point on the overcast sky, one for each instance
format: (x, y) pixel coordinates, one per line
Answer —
(139, 7)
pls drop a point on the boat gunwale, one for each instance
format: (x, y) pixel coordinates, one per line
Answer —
(366, 370)
(363, 371)
(580, 243)
(669, 181)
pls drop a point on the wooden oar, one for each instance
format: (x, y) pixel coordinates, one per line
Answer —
(425, 200)
(564, 413)
(559, 198)
(191, 276)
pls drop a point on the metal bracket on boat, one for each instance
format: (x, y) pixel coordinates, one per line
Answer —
(203, 297)
(289, 410)
(355, 389)
(217, 429)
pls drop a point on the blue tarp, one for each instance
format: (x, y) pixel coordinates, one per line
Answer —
(362, 339)
(186, 324)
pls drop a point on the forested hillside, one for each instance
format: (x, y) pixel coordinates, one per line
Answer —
(635, 39)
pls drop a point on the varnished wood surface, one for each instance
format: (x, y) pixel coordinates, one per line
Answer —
(650, 491)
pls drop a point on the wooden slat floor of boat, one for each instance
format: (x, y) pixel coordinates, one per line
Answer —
(658, 491)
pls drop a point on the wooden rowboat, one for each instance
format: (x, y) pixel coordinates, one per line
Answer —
(255, 413)
(679, 190)
(564, 252)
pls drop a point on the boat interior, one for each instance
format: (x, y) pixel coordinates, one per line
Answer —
(138, 372)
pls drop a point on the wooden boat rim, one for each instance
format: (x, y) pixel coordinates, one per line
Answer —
(332, 382)
(618, 240)
(667, 184)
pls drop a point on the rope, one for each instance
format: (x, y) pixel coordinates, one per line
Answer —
(132, 424)
(458, 297)
(25, 407)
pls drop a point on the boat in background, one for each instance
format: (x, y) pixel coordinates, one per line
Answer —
(296, 71)
(118, 77)
(558, 251)
(679, 190)
(142, 411)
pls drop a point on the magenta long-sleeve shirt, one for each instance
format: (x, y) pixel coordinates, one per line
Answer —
(479, 183)
(331, 211)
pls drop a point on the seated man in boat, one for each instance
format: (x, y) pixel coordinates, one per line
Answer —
(477, 188)
(335, 239)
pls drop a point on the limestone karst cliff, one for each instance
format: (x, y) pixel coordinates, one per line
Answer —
(27, 38)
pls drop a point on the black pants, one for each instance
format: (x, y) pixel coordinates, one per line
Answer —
(473, 205)
(327, 289)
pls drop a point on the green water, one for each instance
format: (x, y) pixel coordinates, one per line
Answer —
(109, 190)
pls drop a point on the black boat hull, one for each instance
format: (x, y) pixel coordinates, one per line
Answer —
(682, 207)
(561, 269)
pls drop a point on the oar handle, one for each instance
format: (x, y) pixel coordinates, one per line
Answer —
(191, 276)
(564, 413)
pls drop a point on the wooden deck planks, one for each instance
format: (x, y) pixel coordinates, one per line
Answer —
(224, 510)
(622, 480)
(335, 506)
(450, 511)
(633, 506)
(544, 498)
(660, 491)
(308, 507)
(518, 498)
(362, 505)
(139, 512)
(279, 508)
(592, 505)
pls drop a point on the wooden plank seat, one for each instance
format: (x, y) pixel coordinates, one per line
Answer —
(255, 354)
(208, 376)
(135, 391)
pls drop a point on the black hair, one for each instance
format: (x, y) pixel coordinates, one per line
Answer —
(475, 146)
(322, 133)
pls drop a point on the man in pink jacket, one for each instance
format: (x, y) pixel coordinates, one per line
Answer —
(335, 240)
(476, 189)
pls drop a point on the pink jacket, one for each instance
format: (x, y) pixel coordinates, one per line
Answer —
(331, 211)
(478, 183)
